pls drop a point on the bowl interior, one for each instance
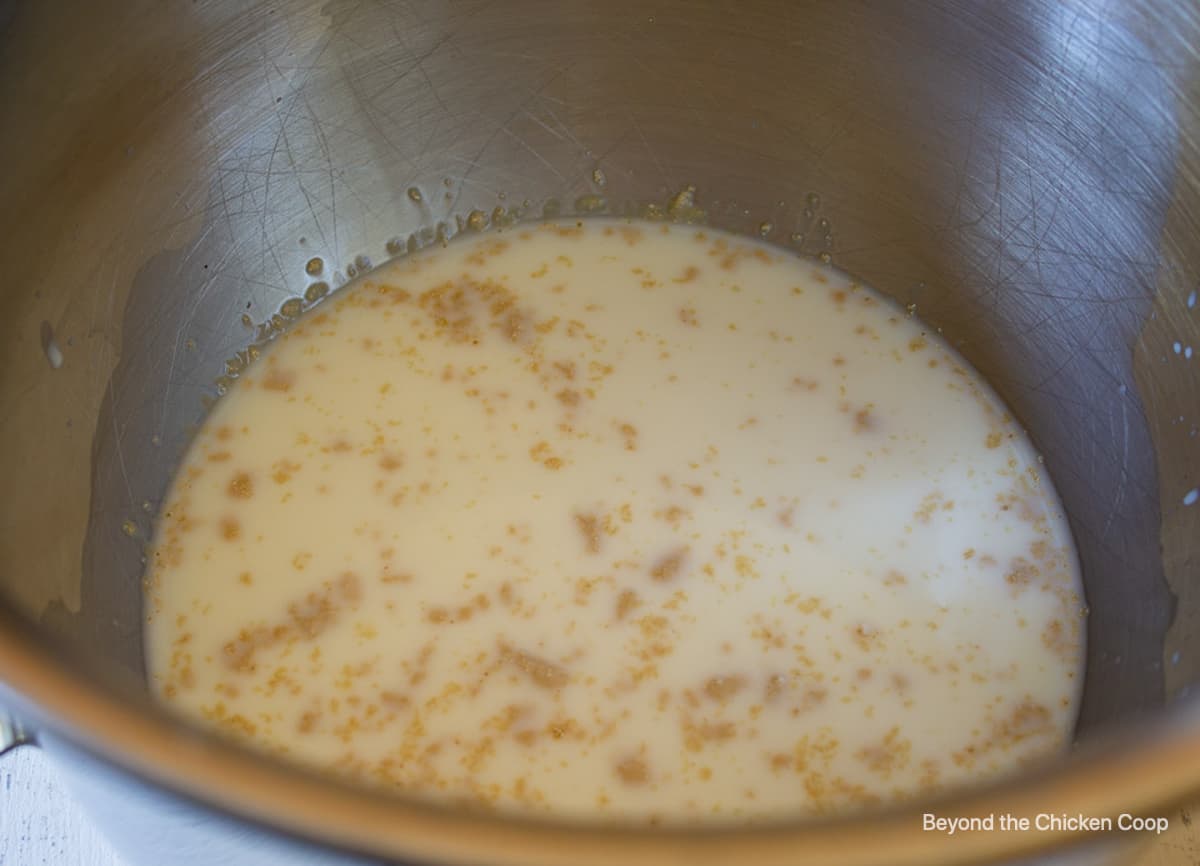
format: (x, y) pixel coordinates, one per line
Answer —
(1024, 174)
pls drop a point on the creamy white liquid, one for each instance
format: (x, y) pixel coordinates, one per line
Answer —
(619, 520)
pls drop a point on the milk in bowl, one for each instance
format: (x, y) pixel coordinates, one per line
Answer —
(619, 520)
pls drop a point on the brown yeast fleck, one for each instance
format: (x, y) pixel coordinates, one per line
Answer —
(279, 380)
(670, 566)
(231, 529)
(541, 672)
(722, 688)
(589, 527)
(241, 486)
(633, 771)
(627, 602)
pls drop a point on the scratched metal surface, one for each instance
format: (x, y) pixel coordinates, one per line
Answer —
(1026, 174)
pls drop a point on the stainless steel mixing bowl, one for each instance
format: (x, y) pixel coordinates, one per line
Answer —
(1025, 173)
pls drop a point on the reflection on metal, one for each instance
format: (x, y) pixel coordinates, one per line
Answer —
(12, 734)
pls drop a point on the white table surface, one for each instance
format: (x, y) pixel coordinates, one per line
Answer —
(40, 825)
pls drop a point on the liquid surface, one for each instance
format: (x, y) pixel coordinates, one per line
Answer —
(624, 521)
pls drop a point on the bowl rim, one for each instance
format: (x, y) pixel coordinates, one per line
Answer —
(1140, 769)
